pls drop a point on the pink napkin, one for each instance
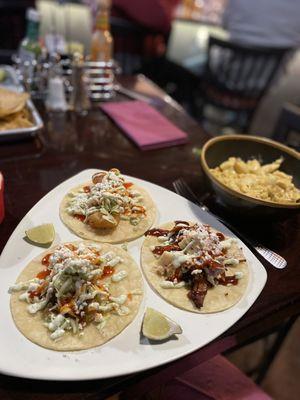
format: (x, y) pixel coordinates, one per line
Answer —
(144, 125)
(215, 379)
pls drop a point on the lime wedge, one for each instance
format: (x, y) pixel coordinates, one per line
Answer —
(157, 326)
(41, 234)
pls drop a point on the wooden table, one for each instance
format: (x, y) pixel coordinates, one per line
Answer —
(71, 143)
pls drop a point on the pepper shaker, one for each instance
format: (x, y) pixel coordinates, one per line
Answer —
(79, 101)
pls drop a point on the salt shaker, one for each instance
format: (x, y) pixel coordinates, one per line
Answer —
(79, 101)
(56, 99)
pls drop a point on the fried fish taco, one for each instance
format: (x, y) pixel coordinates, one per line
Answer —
(108, 209)
(194, 267)
(76, 296)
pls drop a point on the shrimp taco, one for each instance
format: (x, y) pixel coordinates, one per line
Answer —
(76, 295)
(108, 209)
(194, 267)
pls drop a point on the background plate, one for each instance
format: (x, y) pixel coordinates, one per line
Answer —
(11, 82)
(126, 353)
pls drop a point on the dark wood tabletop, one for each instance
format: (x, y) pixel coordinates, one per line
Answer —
(70, 143)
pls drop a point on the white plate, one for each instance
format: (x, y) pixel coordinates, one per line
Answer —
(126, 353)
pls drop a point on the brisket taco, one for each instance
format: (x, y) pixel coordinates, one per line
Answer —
(194, 267)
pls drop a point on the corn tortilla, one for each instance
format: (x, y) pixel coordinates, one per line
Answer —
(218, 298)
(31, 325)
(124, 232)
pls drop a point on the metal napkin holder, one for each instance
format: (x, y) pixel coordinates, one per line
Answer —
(100, 77)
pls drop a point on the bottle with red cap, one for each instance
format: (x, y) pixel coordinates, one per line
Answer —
(102, 41)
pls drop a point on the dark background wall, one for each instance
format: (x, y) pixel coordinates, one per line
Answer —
(12, 22)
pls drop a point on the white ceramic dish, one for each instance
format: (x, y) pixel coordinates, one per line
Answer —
(126, 353)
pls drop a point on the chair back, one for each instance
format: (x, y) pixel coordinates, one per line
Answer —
(133, 43)
(287, 129)
(239, 70)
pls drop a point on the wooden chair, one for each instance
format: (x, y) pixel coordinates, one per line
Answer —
(287, 128)
(237, 76)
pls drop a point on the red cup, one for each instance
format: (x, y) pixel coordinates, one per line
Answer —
(1, 198)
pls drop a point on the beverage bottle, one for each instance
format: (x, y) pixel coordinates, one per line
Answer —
(30, 47)
(102, 41)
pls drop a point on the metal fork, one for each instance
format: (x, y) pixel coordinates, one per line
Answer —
(183, 189)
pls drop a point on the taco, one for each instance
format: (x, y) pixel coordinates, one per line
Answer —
(194, 267)
(11, 102)
(108, 209)
(76, 295)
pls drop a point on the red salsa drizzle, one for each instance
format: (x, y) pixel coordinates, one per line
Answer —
(127, 185)
(107, 271)
(157, 232)
(228, 280)
(42, 274)
(220, 236)
(176, 276)
(45, 260)
(38, 291)
(80, 217)
(170, 247)
(33, 294)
